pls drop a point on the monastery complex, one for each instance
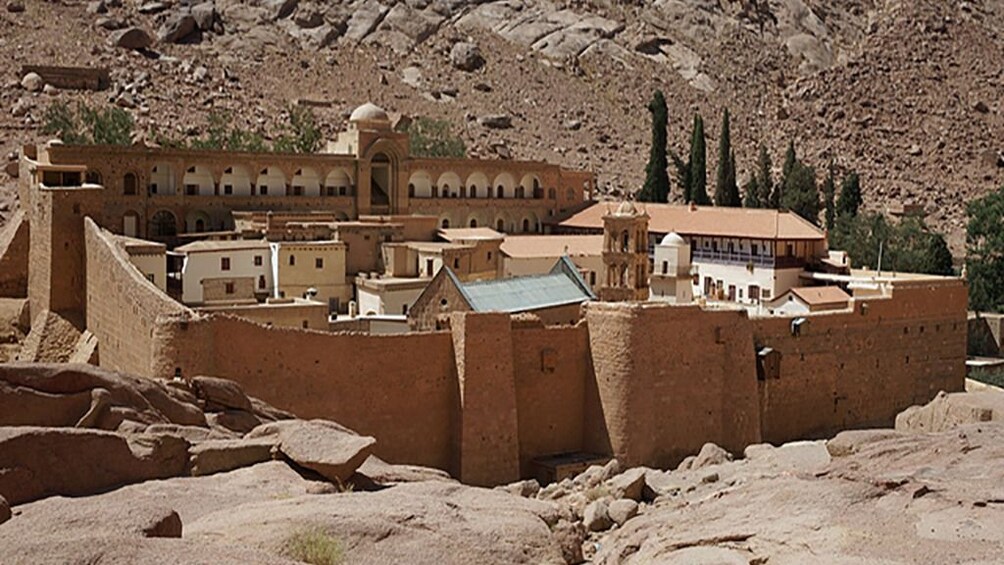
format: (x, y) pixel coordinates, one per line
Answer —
(485, 317)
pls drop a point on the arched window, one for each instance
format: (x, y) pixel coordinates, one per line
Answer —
(445, 223)
(526, 225)
(520, 192)
(500, 225)
(93, 177)
(474, 223)
(625, 242)
(446, 191)
(411, 191)
(200, 225)
(474, 191)
(500, 191)
(163, 224)
(129, 184)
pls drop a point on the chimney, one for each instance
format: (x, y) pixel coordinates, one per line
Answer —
(693, 206)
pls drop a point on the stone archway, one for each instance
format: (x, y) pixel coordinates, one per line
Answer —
(163, 224)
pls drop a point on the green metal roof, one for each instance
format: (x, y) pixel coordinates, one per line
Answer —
(563, 285)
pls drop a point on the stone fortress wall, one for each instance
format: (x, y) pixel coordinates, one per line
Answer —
(647, 383)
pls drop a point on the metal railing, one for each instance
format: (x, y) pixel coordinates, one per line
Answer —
(741, 258)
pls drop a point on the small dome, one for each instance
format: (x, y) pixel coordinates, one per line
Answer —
(672, 238)
(369, 112)
(626, 209)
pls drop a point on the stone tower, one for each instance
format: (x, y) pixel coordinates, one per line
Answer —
(625, 254)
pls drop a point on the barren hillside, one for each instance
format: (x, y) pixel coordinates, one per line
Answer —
(903, 91)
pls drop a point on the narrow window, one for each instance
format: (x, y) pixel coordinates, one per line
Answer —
(257, 261)
(318, 263)
(224, 263)
(292, 260)
(228, 288)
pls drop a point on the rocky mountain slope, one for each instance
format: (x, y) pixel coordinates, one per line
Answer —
(903, 91)
(97, 466)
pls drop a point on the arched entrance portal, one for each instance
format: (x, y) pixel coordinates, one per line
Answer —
(163, 224)
(381, 180)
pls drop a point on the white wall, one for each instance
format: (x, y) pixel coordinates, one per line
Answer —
(389, 302)
(152, 264)
(520, 266)
(777, 281)
(206, 264)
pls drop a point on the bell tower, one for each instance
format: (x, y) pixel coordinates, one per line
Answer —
(625, 254)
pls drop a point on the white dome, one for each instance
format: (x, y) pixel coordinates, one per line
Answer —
(672, 238)
(369, 112)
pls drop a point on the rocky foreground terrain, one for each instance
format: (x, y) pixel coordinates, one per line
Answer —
(102, 467)
(906, 92)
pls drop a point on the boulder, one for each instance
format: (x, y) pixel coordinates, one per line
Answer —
(204, 15)
(220, 394)
(39, 462)
(466, 56)
(278, 9)
(97, 7)
(131, 38)
(15, 6)
(232, 422)
(950, 410)
(331, 450)
(5, 513)
(709, 455)
(219, 455)
(365, 18)
(620, 511)
(527, 489)
(496, 121)
(177, 27)
(596, 517)
(570, 537)
(630, 484)
(383, 473)
(32, 82)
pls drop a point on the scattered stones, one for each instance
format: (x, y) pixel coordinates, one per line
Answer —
(32, 82)
(496, 121)
(131, 38)
(596, 517)
(915, 150)
(629, 484)
(527, 489)
(573, 125)
(620, 511)
(466, 56)
(482, 87)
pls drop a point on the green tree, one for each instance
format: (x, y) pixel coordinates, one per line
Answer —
(656, 187)
(985, 252)
(769, 196)
(800, 193)
(751, 193)
(223, 134)
(908, 246)
(434, 138)
(850, 199)
(88, 126)
(726, 191)
(829, 190)
(790, 158)
(682, 169)
(302, 135)
(698, 164)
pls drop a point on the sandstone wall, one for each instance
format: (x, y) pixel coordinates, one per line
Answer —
(668, 379)
(122, 306)
(14, 240)
(860, 369)
(399, 388)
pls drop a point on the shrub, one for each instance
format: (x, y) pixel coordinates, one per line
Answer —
(434, 138)
(88, 126)
(315, 546)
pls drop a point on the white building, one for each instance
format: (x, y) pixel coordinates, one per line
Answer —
(226, 271)
(524, 255)
(672, 280)
(741, 255)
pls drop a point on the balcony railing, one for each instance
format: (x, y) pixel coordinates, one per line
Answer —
(740, 258)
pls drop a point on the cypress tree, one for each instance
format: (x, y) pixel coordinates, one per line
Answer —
(800, 193)
(751, 198)
(682, 174)
(829, 189)
(850, 196)
(656, 187)
(765, 184)
(698, 164)
(790, 159)
(732, 188)
(723, 190)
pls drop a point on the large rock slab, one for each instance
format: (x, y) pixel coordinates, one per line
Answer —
(331, 450)
(220, 394)
(950, 410)
(40, 462)
(216, 456)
